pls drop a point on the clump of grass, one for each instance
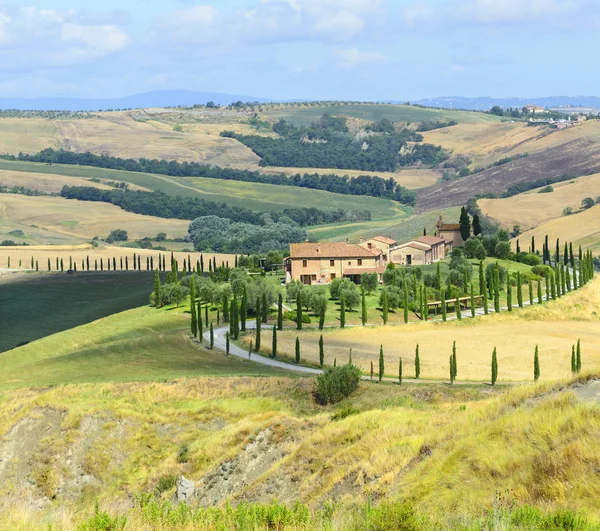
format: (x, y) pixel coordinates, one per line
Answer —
(183, 456)
(165, 483)
(345, 412)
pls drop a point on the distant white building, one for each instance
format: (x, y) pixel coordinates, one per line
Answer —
(535, 109)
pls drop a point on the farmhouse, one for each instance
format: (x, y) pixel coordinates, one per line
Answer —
(380, 243)
(535, 109)
(450, 232)
(320, 263)
(421, 251)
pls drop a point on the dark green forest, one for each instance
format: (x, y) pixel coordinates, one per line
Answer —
(328, 143)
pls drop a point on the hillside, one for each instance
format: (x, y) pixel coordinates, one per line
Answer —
(532, 209)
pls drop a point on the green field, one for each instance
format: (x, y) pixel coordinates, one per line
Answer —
(255, 196)
(142, 344)
(374, 112)
(33, 306)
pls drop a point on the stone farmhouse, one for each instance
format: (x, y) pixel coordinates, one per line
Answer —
(320, 263)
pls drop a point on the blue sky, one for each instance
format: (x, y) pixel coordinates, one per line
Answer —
(309, 49)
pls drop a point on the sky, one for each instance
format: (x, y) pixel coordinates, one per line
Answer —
(300, 49)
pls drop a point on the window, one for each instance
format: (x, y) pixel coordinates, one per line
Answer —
(304, 263)
(408, 259)
(349, 263)
(332, 263)
(313, 278)
(370, 246)
(359, 261)
(332, 276)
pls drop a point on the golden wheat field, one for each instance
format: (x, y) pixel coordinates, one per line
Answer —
(582, 228)
(531, 209)
(47, 183)
(79, 253)
(81, 219)
(554, 327)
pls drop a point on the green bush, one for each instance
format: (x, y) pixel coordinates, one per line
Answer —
(546, 189)
(345, 412)
(102, 521)
(336, 383)
(541, 270)
(291, 316)
(165, 483)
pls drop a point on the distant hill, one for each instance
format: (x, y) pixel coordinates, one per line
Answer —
(486, 103)
(159, 98)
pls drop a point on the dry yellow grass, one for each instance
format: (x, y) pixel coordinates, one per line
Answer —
(488, 142)
(532, 209)
(582, 229)
(554, 327)
(44, 182)
(41, 253)
(27, 135)
(82, 219)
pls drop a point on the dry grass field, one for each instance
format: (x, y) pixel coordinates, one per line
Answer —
(79, 253)
(28, 135)
(82, 219)
(532, 209)
(554, 327)
(582, 228)
(45, 182)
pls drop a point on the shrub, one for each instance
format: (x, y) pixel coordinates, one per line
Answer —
(531, 259)
(546, 189)
(567, 211)
(165, 483)
(345, 412)
(502, 250)
(587, 202)
(117, 235)
(541, 270)
(291, 316)
(336, 383)
(102, 521)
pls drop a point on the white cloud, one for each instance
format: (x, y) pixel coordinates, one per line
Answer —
(352, 57)
(517, 11)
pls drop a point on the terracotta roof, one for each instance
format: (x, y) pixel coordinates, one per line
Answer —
(361, 270)
(383, 239)
(430, 240)
(331, 250)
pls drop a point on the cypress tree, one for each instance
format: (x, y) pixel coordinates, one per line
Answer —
(147, 263)
(568, 279)
(539, 291)
(481, 279)
(95, 264)
(571, 256)
(552, 284)
(472, 300)
(438, 277)
(530, 292)
(533, 244)
(231, 317)
(101, 264)
(70, 262)
(364, 309)
(227, 343)
(297, 349)
(198, 272)
(547, 284)
(578, 356)
(274, 345)
(199, 320)
(121, 258)
(258, 325)
(107, 264)
(458, 309)
(536, 365)
(75, 267)
(37, 266)
(57, 266)
(265, 308)
(214, 264)
(49, 267)
(476, 225)
(518, 250)
(405, 291)
(201, 263)
(384, 306)
(335, 362)
(225, 306)
(566, 255)
(494, 367)
(87, 261)
(443, 300)
(321, 351)
(298, 312)
(156, 289)
(342, 310)
(520, 289)
(244, 309)
(371, 369)
(547, 248)
(451, 370)
(127, 264)
(508, 293)
(465, 224)
(322, 309)
(497, 289)
(484, 297)
(381, 363)
(280, 312)
(139, 265)
(417, 363)
(400, 371)
(206, 315)
(212, 337)
(134, 261)
(573, 360)
(455, 365)
(218, 315)
(350, 358)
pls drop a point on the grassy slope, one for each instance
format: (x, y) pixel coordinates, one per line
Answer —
(555, 327)
(257, 197)
(135, 345)
(582, 229)
(374, 112)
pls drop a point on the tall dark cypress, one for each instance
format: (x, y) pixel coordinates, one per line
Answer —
(87, 262)
(518, 250)
(497, 289)
(322, 310)
(298, 312)
(454, 362)
(519, 289)
(206, 315)
(199, 317)
(381, 363)
(417, 363)
(484, 297)
(400, 371)
(201, 263)
(227, 343)
(405, 304)
(258, 325)
(573, 360)
(342, 310)
(578, 355)
(566, 255)
(539, 292)
(225, 306)
(494, 367)
(264, 307)
(508, 293)
(363, 309)
(157, 301)
(530, 285)
(457, 308)
(297, 349)
(212, 336)
(472, 300)
(244, 309)
(443, 301)
(536, 365)
(279, 311)
(533, 244)
(465, 224)
(321, 351)
(274, 343)
(557, 253)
